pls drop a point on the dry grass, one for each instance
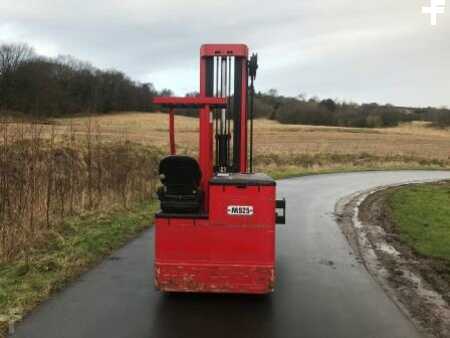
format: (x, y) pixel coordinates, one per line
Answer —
(45, 178)
(410, 145)
(414, 140)
(144, 128)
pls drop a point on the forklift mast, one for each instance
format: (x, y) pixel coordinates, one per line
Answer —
(223, 73)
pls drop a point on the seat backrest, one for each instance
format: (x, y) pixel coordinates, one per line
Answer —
(180, 174)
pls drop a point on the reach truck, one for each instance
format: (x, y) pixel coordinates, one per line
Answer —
(215, 231)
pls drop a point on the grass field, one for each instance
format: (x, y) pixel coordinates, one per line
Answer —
(422, 216)
(294, 149)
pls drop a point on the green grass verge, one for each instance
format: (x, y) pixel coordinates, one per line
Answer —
(80, 243)
(421, 214)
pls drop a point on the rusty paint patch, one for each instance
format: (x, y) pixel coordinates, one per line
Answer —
(214, 278)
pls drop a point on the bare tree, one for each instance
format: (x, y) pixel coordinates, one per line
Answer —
(11, 57)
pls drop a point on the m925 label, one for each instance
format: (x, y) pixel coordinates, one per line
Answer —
(240, 210)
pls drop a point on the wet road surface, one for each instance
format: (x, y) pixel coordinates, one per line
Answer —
(321, 290)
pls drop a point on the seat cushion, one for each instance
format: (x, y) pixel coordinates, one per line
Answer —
(180, 174)
(180, 203)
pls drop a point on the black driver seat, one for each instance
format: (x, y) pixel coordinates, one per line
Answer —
(181, 177)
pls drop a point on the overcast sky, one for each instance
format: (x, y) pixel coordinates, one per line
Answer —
(365, 51)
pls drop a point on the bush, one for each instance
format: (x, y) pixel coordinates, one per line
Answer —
(43, 181)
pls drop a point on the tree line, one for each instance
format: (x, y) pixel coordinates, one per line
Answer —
(331, 112)
(40, 86)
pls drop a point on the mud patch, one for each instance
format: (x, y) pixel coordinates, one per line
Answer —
(416, 284)
(329, 263)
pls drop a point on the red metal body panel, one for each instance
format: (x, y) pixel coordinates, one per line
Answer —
(214, 278)
(192, 102)
(202, 76)
(223, 253)
(206, 153)
(261, 198)
(240, 50)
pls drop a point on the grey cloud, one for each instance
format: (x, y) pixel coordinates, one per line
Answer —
(382, 50)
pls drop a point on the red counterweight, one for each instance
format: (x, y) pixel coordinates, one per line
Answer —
(216, 228)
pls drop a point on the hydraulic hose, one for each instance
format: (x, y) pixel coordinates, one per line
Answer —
(252, 68)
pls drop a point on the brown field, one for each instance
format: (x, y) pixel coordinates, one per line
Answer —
(281, 149)
(410, 145)
(413, 139)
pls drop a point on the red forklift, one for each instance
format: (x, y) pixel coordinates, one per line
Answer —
(215, 231)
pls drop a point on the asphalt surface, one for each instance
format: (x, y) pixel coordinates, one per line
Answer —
(321, 291)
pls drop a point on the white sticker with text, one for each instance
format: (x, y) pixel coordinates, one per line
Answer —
(240, 210)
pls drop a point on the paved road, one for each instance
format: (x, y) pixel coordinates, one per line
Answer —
(312, 299)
